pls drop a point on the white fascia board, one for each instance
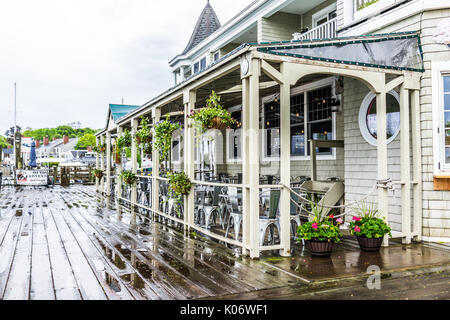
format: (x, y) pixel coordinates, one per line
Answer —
(400, 13)
(236, 26)
(180, 63)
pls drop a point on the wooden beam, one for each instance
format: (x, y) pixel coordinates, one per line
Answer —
(238, 88)
(245, 165)
(189, 99)
(417, 163)
(285, 168)
(394, 83)
(156, 115)
(271, 72)
(119, 169)
(405, 164)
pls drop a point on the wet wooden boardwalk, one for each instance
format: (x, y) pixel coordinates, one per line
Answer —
(65, 243)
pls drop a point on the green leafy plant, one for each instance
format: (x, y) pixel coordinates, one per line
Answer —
(367, 223)
(212, 116)
(124, 141)
(100, 148)
(319, 227)
(163, 131)
(98, 173)
(179, 185)
(144, 134)
(128, 177)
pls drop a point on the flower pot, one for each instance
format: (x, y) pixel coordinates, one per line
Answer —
(218, 124)
(369, 244)
(99, 175)
(129, 181)
(138, 140)
(320, 248)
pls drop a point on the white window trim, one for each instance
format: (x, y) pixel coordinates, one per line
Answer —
(294, 91)
(176, 137)
(319, 15)
(363, 117)
(438, 69)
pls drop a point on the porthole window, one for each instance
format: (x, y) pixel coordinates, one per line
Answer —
(368, 117)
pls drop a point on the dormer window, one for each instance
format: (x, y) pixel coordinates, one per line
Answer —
(203, 64)
(196, 67)
(216, 56)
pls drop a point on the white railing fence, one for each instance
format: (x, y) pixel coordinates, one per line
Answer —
(324, 31)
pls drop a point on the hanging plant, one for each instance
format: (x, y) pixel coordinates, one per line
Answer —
(163, 131)
(98, 173)
(128, 177)
(144, 134)
(100, 148)
(124, 141)
(179, 185)
(213, 116)
(117, 155)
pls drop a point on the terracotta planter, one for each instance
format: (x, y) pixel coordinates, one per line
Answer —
(369, 244)
(319, 248)
(99, 175)
(129, 181)
(218, 124)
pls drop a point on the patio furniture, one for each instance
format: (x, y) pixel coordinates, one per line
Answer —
(212, 210)
(295, 212)
(270, 218)
(200, 198)
(234, 211)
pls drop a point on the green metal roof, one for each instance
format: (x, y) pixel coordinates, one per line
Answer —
(120, 110)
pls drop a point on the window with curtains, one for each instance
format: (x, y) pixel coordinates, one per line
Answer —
(310, 118)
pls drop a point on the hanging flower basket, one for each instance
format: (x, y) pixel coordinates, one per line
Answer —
(128, 177)
(144, 134)
(163, 131)
(179, 184)
(117, 155)
(98, 173)
(124, 141)
(213, 116)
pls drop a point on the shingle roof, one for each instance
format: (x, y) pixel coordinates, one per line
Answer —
(207, 24)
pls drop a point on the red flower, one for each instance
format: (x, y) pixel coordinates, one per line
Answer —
(331, 216)
(356, 218)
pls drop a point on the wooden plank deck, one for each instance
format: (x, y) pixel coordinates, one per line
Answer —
(66, 244)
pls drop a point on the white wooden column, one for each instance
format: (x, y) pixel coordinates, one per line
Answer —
(253, 136)
(97, 165)
(102, 166)
(405, 164)
(119, 169)
(417, 163)
(189, 99)
(245, 154)
(383, 199)
(108, 164)
(156, 115)
(285, 164)
(134, 164)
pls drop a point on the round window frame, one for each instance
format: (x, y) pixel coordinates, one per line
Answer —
(363, 118)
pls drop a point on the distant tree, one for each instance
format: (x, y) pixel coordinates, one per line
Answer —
(87, 140)
(3, 145)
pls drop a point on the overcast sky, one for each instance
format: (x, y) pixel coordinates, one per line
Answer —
(71, 58)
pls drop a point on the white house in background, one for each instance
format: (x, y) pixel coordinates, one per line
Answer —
(58, 148)
(331, 97)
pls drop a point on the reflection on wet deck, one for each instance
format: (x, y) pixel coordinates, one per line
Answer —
(66, 243)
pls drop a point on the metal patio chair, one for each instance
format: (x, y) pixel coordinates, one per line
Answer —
(235, 212)
(270, 217)
(214, 209)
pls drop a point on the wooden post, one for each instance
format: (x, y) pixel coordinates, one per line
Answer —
(134, 164)
(156, 115)
(189, 99)
(108, 164)
(417, 163)
(245, 166)
(312, 147)
(102, 166)
(405, 164)
(119, 169)
(285, 164)
(97, 166)
(383, 202)
(253, 136)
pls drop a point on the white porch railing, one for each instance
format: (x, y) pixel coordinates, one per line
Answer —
(326, 30)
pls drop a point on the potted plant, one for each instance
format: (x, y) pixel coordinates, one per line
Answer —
(163, 131)
(369, 228)
(179, 185)
(319, 233)
(100, 148)
(213, 116)
(98, 173)
(128, 177)
(117, 155)
(144, 134)
(124, 141)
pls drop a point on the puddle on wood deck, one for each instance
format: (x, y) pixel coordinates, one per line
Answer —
(68, 243)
